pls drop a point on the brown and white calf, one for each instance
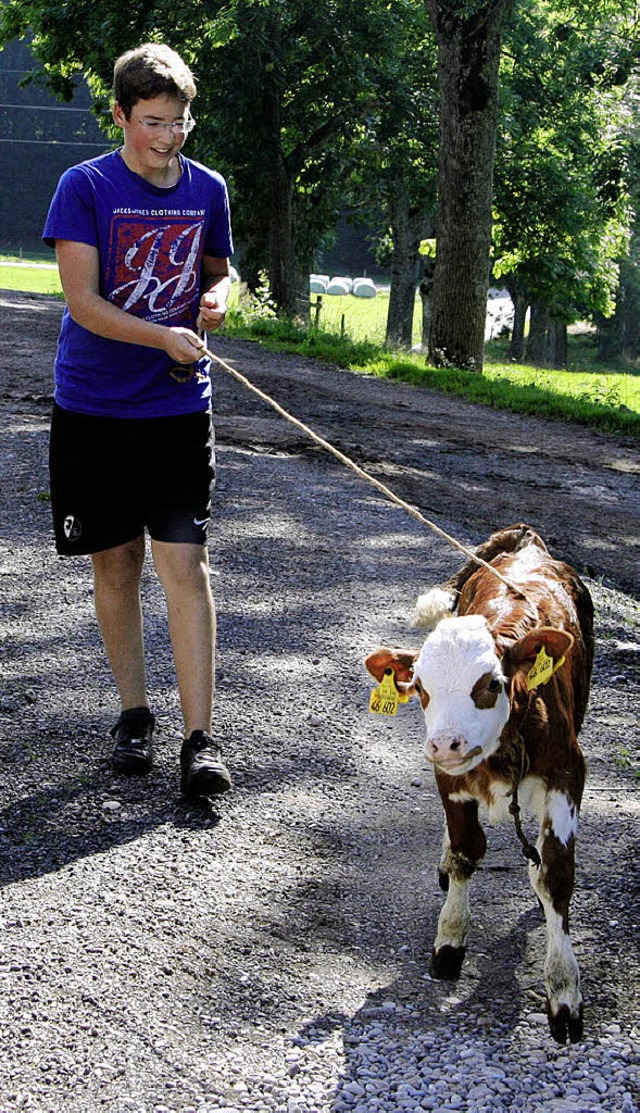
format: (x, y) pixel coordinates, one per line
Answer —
(504, 688)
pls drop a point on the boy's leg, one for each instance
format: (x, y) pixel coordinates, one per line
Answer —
(183, 569)
(117, 575)
(184, 573)
(179, 509)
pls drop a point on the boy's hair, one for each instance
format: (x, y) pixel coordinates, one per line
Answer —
(149, 71)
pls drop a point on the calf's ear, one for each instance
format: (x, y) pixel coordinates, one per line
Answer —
(400, 660)
(523, 653)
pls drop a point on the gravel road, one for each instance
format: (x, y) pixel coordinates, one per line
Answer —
(271, 955)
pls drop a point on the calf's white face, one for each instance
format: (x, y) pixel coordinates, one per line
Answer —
(462, 689)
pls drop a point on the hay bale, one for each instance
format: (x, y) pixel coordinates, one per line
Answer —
(339, 286)
(363, 288)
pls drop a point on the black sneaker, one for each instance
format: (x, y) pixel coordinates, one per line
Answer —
(133, 735)
(201, 766)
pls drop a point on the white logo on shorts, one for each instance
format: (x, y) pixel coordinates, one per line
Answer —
(72, 528)
(201, 522)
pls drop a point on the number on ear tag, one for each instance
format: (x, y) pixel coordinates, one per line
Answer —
(386, 697)
(542, 669)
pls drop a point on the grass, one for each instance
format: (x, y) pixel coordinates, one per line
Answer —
(364, 318)
(351, 335)
(36, 274)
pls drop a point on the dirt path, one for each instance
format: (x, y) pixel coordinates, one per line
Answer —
(272, 956)
(455, 461)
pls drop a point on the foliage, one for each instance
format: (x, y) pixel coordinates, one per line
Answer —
(248, 306)
(562, 214)
(399, 138)
(428, 248)
(290, 88)
(621, 333)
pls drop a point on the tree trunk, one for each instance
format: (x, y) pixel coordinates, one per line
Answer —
(282, 270)
(547, 346)
(560, 356)
(520, 307)
(468, 56)
(520, 301)
(538, 343)
(407, 229)
(610, 334)
(254, 255)
(282, 278)
(620, 334)
(426, 293)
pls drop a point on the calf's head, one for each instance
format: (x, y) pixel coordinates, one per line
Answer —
(465, 681)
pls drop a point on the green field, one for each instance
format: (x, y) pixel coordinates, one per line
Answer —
(37, 276)
(362, 318)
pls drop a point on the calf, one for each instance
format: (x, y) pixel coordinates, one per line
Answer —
(504, 688)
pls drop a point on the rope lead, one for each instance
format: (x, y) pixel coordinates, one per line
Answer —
(528, 849)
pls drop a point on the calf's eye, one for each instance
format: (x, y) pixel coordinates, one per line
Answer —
(486, 690)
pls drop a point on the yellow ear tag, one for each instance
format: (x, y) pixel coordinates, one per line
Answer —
(542, 669)
(386, 697)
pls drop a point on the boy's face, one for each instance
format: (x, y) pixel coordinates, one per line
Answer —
(150, 143)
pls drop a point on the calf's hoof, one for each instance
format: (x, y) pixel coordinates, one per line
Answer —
(446, 963)
(564, 1025)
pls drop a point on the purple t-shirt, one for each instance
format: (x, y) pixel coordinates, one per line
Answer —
(150, 242)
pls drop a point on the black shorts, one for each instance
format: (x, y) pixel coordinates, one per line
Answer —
(112, 478)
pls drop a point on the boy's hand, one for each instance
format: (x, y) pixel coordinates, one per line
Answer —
(183, 345)
(213, 308)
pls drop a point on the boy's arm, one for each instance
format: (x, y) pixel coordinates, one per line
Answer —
(214, 293)
(79, 274)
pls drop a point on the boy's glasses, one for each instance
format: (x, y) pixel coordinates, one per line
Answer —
(156, 127)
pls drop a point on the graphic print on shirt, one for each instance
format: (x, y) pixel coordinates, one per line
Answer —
(154, 266)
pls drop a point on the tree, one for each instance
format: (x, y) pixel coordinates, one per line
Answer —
(469, 40)
(619, 334)
(408, 141)
(560, 200)
(393, 184)
(293, 83)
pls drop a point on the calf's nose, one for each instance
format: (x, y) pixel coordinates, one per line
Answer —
(443, 745)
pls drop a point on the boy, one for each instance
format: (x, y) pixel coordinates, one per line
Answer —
(143, 238)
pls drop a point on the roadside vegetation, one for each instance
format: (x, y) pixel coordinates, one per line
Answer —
(350, 333)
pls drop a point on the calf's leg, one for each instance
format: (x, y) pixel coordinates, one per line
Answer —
(464, 847)
(553, 884)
